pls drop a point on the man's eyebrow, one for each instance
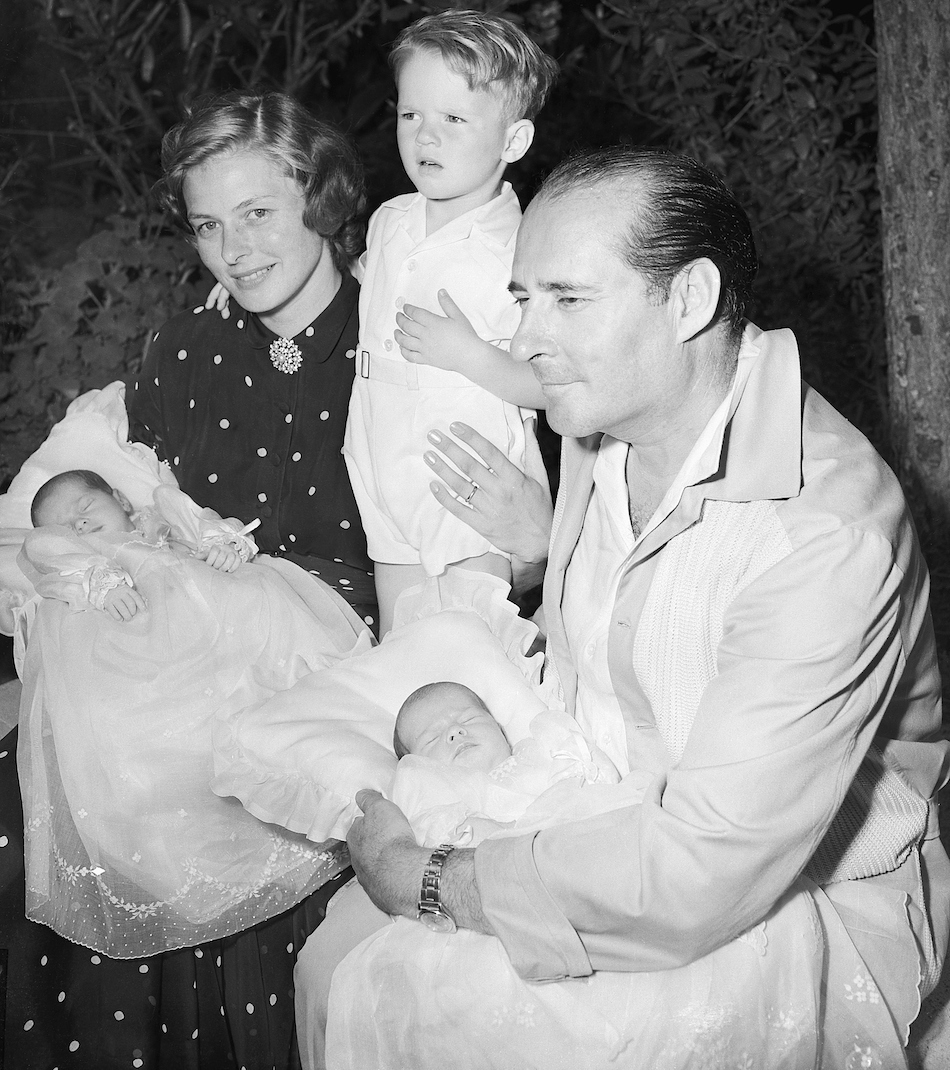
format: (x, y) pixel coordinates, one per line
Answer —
(555, 286)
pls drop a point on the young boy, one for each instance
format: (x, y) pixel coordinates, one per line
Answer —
(468, 87)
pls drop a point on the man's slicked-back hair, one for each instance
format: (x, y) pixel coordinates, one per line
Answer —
(90, 480)
(319, 157)
(489, 51)
(680, 211)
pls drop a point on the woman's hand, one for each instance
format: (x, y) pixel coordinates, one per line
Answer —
(218, 298)
(385, 855)
(493, 496)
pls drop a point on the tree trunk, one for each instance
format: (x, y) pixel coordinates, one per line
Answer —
(913, 48)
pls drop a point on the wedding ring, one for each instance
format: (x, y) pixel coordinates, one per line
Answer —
(471, 494)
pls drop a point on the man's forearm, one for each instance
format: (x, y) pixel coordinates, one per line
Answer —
(460, 892)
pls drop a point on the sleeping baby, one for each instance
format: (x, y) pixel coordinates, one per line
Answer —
(137, 648)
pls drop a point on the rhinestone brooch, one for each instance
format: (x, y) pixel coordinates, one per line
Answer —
(285, 355)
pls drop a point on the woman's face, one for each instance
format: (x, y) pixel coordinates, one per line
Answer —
(247, 215)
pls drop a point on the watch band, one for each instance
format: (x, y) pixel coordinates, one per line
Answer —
(431, 911)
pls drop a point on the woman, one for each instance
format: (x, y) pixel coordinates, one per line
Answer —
(249, 412)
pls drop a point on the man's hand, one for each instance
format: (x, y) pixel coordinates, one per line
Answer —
(122, 603)
(385, 855)
(223, 558)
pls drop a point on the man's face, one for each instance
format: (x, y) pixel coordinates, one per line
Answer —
(601, 347)
(451, 724)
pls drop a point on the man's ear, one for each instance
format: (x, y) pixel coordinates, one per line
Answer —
(518, 138)
(695, 297)
(122, 500)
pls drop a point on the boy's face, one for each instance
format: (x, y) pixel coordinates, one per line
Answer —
(454, 141)
(86, 511)
(451, 724)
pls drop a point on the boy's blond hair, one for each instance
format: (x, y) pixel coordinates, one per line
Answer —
(489, 51)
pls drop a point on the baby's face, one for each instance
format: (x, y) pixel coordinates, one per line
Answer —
(450, 724)
(75, 506)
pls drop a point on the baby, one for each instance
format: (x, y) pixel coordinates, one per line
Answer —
(448, 722)
(83, 501)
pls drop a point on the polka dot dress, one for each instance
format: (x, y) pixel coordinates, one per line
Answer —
(224, 1004)
(252, 441)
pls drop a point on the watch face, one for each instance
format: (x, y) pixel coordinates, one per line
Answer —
(437, 922)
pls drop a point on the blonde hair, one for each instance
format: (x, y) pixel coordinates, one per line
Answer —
(489, 51)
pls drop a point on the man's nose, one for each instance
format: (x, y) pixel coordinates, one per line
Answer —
(531, 339)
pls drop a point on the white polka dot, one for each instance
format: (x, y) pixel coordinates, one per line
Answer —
(344, 583)
(4, 840)
(261, 452)
(339, 560)
(293, 538)
(222, 1012)
(164, 1028)
(28, 1025)
(217, 961)
(324, 415)
(61, 997)
(262, 497)
(350, 354)
(155, 380)
(295, 457)
(240, 323)
(191, 404)
(284, 548)
(95, 960)
(225, 424)
(137, 1063)
(344, 523)
(155, 336)
(309, 332)
(213, 478)
(290, 949)
(200, 308)
(182, 353)
(289, 418)
(44, 960)
(74, 1045)
(199, 953)
(217, 358)
(273, 999)
(119, 1016)
(194, 1035)
(143, 968)
(247, 379)
(312, 491)
(4, 753)
(250, 1008)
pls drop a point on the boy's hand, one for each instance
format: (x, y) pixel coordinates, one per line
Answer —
(223, 558)
(122, 603)
(448, 342)
(218, 298)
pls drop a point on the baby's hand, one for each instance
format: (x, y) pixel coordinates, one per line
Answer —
(223, 558)
(218, 298)
(448, 342)
(122, 603)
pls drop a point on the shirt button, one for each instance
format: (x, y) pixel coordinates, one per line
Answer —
(411, 265)
(590, 649)
(388, 344)
(267, 511)
(275, 459)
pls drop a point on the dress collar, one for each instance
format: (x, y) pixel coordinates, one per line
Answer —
(319, 339)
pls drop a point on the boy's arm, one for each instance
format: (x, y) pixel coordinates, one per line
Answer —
(450, 342)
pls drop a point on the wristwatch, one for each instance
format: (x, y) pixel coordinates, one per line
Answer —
(432, 913)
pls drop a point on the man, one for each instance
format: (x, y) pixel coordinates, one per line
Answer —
(735, 599)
